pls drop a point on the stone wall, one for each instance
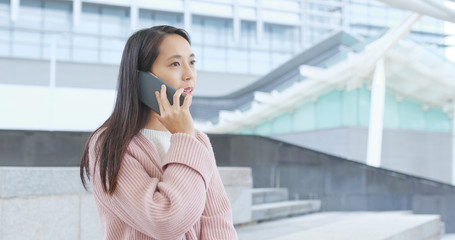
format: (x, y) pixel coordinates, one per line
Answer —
(50, 202)
(341, 184)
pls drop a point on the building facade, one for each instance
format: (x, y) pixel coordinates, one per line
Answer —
(233, 36)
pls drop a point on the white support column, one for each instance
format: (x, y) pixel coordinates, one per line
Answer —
(134, 15)
(376, 116)
(236, 19)
(453, 142)
(187, 15)
(52, 74)
(259, 22)
(53, 61)
(77, 9)
(15, 4)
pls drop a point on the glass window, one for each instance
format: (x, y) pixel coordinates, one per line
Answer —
(90, 19)
(145, 19)
(26, 44)
(4, 12)
(148, 18)
(114, 21)
(237, 61)
(197, 30)
(247, 34)
(30, 15)
(259, 62)
(111, 49)
(111, 56)
(63, 53)
(280, 58)
(4, 42)
(281, 38)
(198, 53)
(111, 43)
(57, 16)
(263, 43)
(63, 47)
(214, 59)
(214, 31)
(85, 41)
(4, 35)
(173, 19)
(26, 36)
(84, 54)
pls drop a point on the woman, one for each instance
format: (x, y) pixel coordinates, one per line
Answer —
(154, 176)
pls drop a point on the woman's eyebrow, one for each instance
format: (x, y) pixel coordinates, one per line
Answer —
(179, 56)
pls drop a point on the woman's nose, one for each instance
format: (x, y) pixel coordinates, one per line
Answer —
(188, 72)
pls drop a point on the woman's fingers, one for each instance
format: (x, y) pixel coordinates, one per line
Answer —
(187, 102)
(158, 99)
(177, 97)
(163, 96)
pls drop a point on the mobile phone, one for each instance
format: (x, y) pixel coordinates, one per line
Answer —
(148, 85)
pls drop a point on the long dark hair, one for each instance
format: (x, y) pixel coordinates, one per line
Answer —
(129, 115)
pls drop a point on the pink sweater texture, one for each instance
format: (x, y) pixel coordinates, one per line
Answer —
(178, 197)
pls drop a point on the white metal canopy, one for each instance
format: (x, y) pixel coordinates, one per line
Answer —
(412, 71)
(432, 8)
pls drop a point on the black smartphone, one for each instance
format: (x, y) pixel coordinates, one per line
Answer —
(148, 85)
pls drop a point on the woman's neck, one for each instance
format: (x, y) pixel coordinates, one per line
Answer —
(155, 124)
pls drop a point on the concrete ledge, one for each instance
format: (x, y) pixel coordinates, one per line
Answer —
(270, 211)
(50, 202)
(375, 227)
(238, 182)
(36, 181)
(269, 195)
(236, 176)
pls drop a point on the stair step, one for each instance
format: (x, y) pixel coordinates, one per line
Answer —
(376, 227)
(268, 211)
(402, 225)
(269, 195)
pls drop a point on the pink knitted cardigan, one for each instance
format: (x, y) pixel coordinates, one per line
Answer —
(178, 197)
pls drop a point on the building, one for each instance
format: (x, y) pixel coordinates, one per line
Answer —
(59, 59)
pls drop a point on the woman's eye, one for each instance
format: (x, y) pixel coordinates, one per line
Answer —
(193, 62)
(175, 64)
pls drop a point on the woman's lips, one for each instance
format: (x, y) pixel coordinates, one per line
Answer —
(188, 91)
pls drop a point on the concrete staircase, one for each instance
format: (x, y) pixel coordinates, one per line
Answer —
(273, 203)
(400, 225)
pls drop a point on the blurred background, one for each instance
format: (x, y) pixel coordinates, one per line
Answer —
(339, 107)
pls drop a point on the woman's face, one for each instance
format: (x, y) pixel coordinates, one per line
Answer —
(175, 63)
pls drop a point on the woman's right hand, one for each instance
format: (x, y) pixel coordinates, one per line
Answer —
(174, 117)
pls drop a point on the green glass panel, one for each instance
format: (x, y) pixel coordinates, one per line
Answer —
(303, 117)
(364, 106)
(437, 120)
(247, 131)
(391, 119)
(282, 124)
(411, 115)
(264, 128)
(328, 110)
(349, 107)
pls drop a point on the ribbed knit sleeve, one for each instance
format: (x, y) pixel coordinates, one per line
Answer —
(216, 220)
(163, 208)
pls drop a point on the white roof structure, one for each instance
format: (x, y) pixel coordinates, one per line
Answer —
(411, 71)
(432, 8)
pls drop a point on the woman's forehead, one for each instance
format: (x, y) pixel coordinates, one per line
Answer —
(175, 45)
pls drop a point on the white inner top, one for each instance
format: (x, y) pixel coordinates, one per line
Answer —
(160, 139)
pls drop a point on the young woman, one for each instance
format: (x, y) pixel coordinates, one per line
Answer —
(154, 176)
